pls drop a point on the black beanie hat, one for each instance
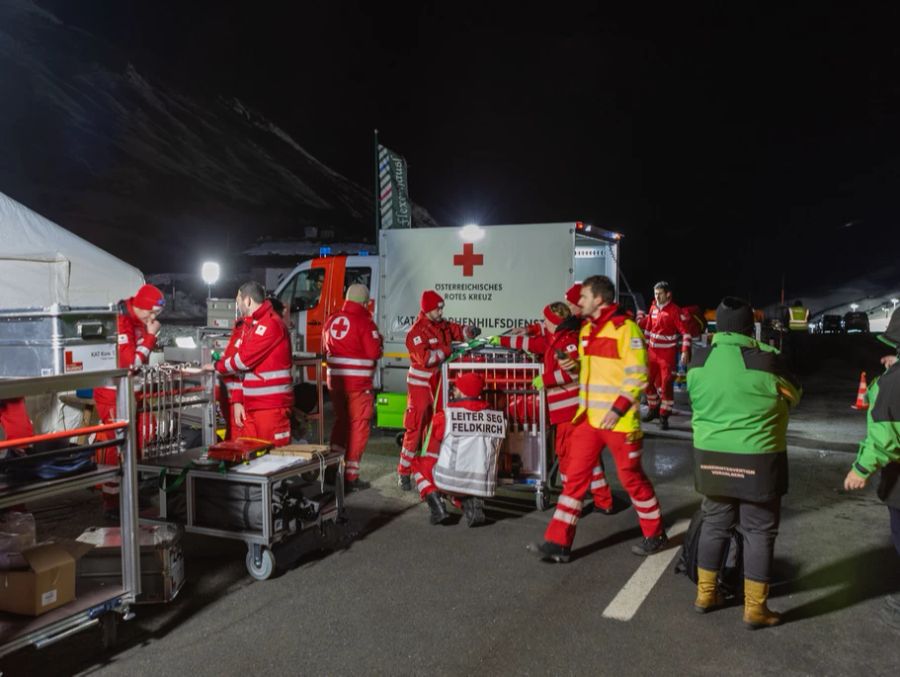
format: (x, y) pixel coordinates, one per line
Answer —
(734, 315)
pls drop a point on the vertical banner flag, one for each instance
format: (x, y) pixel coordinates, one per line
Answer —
(395, 209)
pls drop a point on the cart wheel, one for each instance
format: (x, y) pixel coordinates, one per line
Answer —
(399, 439)
(542, 500)
(109, 627)
(266, 566)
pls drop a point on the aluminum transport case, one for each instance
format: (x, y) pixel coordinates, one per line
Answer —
(57, 340)
(162, 560)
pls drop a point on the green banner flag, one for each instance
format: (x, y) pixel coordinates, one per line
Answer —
(395, 209)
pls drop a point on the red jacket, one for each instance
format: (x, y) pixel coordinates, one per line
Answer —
(264, 359)
(562, 386)
(440, 421)
(428, 344)
(134, 344)
(663, 326)
(352, 348)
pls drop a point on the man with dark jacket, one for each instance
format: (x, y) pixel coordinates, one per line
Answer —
(740, 394)
(881, 448)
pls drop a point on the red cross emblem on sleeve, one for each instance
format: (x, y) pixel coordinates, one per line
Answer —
(339, 328)
(468, 259)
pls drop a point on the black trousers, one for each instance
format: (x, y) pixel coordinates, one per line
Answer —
(757, 522)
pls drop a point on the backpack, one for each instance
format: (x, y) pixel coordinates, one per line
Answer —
(731, 574)
(51, 466)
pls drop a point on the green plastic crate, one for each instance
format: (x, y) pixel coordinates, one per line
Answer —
(389, 410)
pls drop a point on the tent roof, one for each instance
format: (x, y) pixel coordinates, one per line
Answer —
(42, 263)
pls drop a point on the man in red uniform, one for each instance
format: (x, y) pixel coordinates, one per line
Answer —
(138, 328)
(263, 360)
(429, 344)
(352, 349)
(665, 328)
(612, 374)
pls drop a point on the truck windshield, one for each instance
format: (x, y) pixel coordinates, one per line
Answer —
(304, 291)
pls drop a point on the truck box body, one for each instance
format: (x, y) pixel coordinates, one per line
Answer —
(496, 277)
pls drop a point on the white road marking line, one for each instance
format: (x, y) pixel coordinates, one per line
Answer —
(625, 605)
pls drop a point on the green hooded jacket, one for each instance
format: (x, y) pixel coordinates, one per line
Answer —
(741, 393)
(881, 447)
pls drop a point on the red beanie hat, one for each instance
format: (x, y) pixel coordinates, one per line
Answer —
(552, 317)
(148, 297)
(470, 384)
(430, 300)
(574, 294)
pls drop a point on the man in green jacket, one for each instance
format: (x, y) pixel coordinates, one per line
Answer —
(740, 395)
(881, 448)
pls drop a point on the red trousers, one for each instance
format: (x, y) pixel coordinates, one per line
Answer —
(422, 468)
(662, 364)
(271, 425)
(146, 429)
(419, 410)
(350, 432)
(585, 446)
(599, 487)
(14, 419)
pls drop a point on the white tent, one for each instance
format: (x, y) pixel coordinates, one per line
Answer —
(42, 263)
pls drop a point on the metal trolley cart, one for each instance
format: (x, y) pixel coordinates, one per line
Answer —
(507, 373)
(94, 603)
(264, 486)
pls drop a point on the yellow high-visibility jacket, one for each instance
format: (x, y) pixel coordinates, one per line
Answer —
(613, 370)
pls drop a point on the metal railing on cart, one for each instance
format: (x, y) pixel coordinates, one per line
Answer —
(525, 461)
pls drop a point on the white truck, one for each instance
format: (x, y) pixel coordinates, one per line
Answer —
(496, 277)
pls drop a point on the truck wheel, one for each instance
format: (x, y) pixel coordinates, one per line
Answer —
(264, 568)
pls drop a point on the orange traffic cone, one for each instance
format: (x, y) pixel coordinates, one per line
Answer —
(861, 402)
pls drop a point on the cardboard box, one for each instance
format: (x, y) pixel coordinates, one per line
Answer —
(48, 583)
(307, 451)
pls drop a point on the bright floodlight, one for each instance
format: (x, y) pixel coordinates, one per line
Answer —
(471, 232)
(210, 272)
(854, 306)
(895, 301)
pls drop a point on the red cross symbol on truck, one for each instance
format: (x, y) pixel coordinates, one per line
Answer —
(339, 328)
(468, 259)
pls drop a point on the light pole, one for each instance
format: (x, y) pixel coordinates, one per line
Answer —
(209, 271)
(895, 302)
(854, 307)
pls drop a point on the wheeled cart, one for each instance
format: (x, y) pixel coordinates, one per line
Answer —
(94, 603)
(262, 488)
(525, 455)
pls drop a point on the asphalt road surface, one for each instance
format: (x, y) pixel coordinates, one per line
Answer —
(393, 595)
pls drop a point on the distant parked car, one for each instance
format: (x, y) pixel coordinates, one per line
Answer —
(831, 324)
(855, 323)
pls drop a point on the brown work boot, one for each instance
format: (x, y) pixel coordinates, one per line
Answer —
(756, 613)
(708, 595)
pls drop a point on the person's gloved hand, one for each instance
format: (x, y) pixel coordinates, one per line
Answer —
(640, 315)
(538, 382)
(473, 331)
(494, 340)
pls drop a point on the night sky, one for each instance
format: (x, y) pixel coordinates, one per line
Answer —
(728, 142)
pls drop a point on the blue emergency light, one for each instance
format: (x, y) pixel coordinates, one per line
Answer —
(324, 251)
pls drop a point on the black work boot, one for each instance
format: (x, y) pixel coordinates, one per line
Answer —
(652, 414)
(649, 546)
(550, 552)
(439, 513)
(404, 482)
(664, 422)
(473, 509)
